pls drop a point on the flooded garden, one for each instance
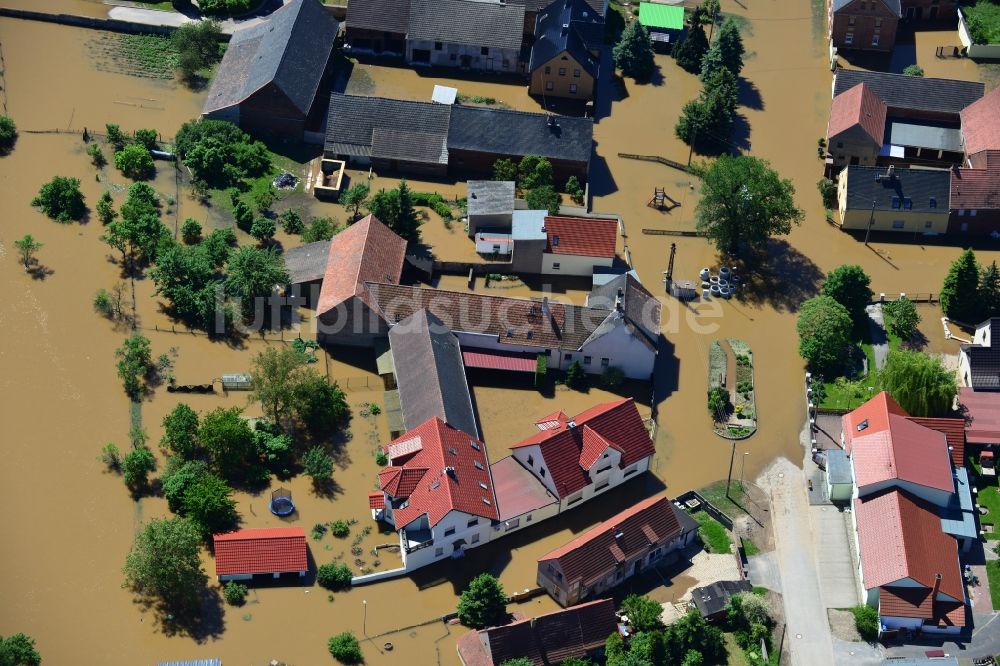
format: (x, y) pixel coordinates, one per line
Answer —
(70, 523)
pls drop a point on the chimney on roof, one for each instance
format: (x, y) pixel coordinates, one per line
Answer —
(571, 424)
(450, 471)
(890, 172)
(937, 586)
(620, 300)
(619, 535)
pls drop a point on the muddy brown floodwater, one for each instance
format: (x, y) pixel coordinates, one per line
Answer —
(69, 524)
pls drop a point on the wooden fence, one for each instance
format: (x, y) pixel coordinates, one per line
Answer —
(659, 160)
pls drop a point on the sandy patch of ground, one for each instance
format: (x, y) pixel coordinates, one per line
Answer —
(842, 625)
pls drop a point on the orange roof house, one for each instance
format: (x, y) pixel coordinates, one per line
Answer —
(242, 554)
(981, 126)
(857, 126)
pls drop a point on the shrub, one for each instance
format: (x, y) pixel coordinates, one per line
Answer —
(319, 228)
(146, 138)
(576, 378)
(903, 318)
(111, 457)
(135, 162)
(374, 409)
(263, 229)
(334, 576)
(136, 466)
(291, 222)
(191, 231)
(97, 157)
(483, 603)
(243, 216)
(318, 464)
(116, 137)
(866, 621)
(381, 459)
(718, 403)
(613, 376)
(345, 649)
(340, 528)
(8, 134)
(913, 70)
(574, 189)
(828, 192)
(105, 209)
(234, 593)
(264, 197)
(61, 199)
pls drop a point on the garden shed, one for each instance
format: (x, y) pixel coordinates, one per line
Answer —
(839, 484)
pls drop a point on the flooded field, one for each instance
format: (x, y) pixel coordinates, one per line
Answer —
(71, 524)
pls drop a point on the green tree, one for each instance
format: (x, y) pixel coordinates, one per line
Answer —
(105, 209)
(574, 189)
(743, 203)
(334, 576)
(384, 205)
(633, 54)
(318, 465)
(730, 45)
(221, 154)
(355, 198)
(263, 229)
(483, 603)
(345, 649)
(8, 135)
(643, 612)
(989, 291)
(747, 609)
(828, 192)
(111, 457)
(902, 318)
(264, 198)
(291, 221)
(136, 467)
(534, 172)
(519, 661)
(693, 658)
(61, 199)
(227, 437)
(234, 593)
(921, 384)
(164, 564)
(691, 632)
(543, 198)
(191, 231)
(913, 70)
(274, 448)
(614, 649)
(180, 431)
(135, 162)
(718, 403)
(208, 502)
(275, 373)
(146, 138)
(712, 61)
(178, 476)
(849, 286)
(243, 216)
(689, 52)
(188, 277)
(19, 650)
(824, 328)
(135, 361)
(867, 622)
(319, 404)
(707, 122)
(407, 224)
(253, 273)
(504, 169)
(197, 45)
(575, 661)
(320, 228)
(26, 247)
(116, 137)
(960, 291)
(97, 157)
(218, 245)
(576, 377)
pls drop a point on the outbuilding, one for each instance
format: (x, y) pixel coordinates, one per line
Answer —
(243, 554)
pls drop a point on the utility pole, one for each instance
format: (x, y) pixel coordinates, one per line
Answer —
(364, 621)
(743, 461)
(871, 221)
(729, 478)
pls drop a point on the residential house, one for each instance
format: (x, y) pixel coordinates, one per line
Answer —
(913, 97)
(378, 26)
(712, 601)
(578, 245)
(864, 25)
(364, 252)
(482, 34)
(533, 7)
(437, 491)
(580, 457)
(273, 77)
(981, 129)
(649, 533)
(979, 362)
(665, 23)
(306, 266)
(271, 551)
(490, 205)
(565, 55)
(580, 632)
(892, 199)
(975, 196)
(429, 375)
(930, 10)
(428, 138)
(981, 410)
(857, 124)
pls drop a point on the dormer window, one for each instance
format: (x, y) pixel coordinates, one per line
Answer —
(895, 202)
(555, 240)
(863, 425)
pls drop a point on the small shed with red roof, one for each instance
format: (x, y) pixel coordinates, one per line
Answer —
(243, 554)
(577, 245)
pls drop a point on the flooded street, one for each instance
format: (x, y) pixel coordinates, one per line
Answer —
(70, 524)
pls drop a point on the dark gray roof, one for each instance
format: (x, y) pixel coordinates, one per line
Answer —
(356, 122)
(571, 26)
(517, 133)
(490, 197)
(893, 5)
(906, 189)
(307, 263)
(472, 22)
(599, 6)
(430, 373)
(641, 308)
(382, 15)
(924, 135)
(290, 49)
(713, 598)
(984, 362)
(915, 93)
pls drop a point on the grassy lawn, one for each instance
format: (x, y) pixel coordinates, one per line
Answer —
(989, 497)
(734, 653)
(993, 573)
(716, 495)
(155, 4)
(712, 533)
(279, 164)
(750, 547)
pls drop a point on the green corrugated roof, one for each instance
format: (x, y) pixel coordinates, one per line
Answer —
(665, 17)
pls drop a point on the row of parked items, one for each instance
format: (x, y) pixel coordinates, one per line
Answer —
(722, 284)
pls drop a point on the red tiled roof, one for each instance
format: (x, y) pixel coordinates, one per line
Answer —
(593, 446)
(258, 551)
(596, 552)
(562, 446)
(918, 602)
(499, 361)
(518, 491)
(857, 106)
(900, 537)
(954, 433)
(893, 447)
(366, 251)
(981, 124)
(448, 472)
(581, 236)
(376, 500)
(977, 188)
(982, 415)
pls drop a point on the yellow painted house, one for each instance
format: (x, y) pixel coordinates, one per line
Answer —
(894, 199)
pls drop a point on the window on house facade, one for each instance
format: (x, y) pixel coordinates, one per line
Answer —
(973, 212)
(527, 518)
(849, 38)
(850, 20)
(548, 85)
(605, 362)
(961, 212)
(630, 471)
(562, 71)
(438, 552)
(531, 461)
(898, 224)
(928, 224)
(587, 360)
(474, 539)
(472, 522)
(556, 265)
(449, 531)
(513, 524)
(601, 486)
(548, 69)
(574, 499)
(878, 23)
(874, 40)
(542, 472)
(572, 88)
(576, 73)
(438, 46)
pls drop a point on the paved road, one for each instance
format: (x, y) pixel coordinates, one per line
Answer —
(833, 557)
(127, 12)
(880, 344)
(808, 634)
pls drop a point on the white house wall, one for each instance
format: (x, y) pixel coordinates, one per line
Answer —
(534, 453)
(450, 55)
(526, 519)
(621, 348)
(443, 546)
(571, 264)
(602, 483)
